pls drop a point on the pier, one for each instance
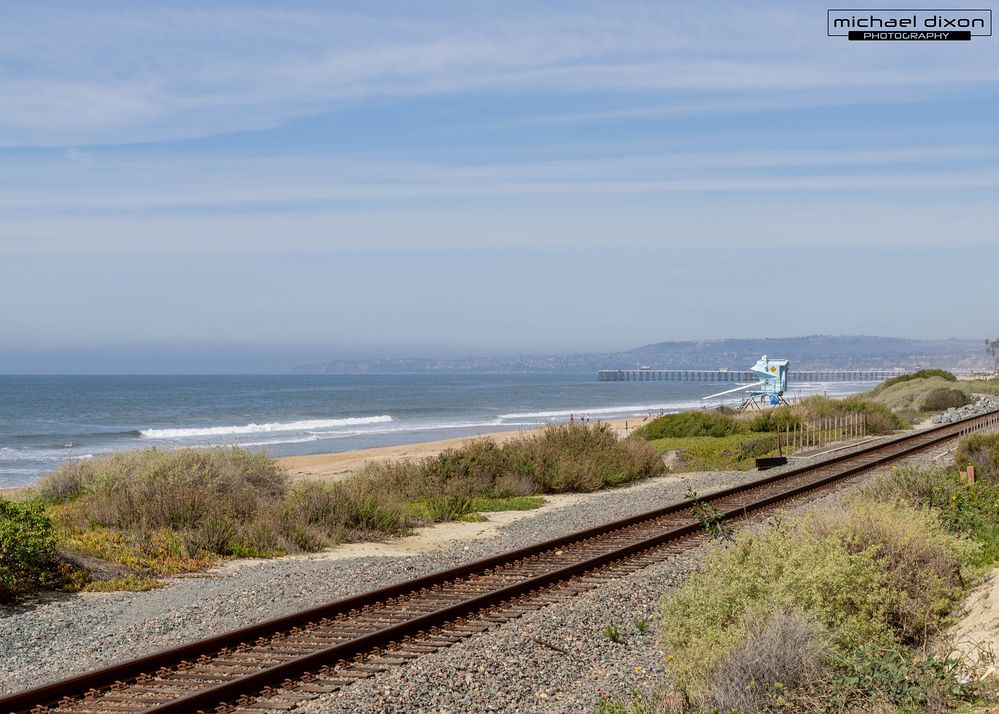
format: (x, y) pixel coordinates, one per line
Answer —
(741, 375)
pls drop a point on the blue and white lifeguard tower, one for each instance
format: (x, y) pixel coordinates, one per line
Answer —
(773, 374)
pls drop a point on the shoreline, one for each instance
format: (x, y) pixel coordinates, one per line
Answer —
(338, 465)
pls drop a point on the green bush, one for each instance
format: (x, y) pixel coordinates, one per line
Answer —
(942, 398)
(694, 423)
(982, 452)
(753, 447)
(27, 547)
(779, 418)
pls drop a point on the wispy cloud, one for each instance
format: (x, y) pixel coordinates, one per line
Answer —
(148, 181)
(79, 157)
(155, 72)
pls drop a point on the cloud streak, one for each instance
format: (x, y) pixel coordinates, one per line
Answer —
(162, 72)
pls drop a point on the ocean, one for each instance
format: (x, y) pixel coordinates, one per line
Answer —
(48, 420)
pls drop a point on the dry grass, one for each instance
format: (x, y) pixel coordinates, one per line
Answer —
(782, 651)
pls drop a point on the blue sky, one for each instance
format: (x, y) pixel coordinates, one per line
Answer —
(268, 184)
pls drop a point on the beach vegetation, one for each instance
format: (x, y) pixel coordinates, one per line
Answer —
(160, 512)
(982, 452)
(690, 424)
(842, 608)
(508, 503)
(27, 547)
(727, 453)
(918, 374)
(879, 418)
(132, 583)
(780, 418)
(927, 392)
(818, 609)
(943, 398)
(723, 440)
(157, 512)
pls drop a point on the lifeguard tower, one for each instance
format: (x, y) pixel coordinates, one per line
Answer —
(773, 374)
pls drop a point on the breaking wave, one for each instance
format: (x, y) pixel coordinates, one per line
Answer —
(306, 425)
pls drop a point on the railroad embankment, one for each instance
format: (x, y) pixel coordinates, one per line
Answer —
(885, 602)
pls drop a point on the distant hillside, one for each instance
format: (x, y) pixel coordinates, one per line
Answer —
(812, 352)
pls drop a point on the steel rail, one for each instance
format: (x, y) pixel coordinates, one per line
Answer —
(865, 459)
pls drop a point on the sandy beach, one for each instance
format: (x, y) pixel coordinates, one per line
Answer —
(340, 465)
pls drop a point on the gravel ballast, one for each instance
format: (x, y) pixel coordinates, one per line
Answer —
(554, 659)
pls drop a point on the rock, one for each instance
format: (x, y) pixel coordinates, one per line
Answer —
(673, 460)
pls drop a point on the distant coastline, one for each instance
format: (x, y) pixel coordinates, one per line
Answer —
(814, 352)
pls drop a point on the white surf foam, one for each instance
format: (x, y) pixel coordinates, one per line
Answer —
(307, 425)
(42, 455)
(345, 433)
(638, 409)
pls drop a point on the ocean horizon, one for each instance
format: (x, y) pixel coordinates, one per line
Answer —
(49, 420)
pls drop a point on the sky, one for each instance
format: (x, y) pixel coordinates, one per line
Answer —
(249, 186)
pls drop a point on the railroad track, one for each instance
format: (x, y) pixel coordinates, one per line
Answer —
(278, 663)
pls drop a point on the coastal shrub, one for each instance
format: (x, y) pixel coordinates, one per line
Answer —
(753, 447)
(561, 457)
(942, 398)
(921, 561)
(573, 457)
(908, 397)
(970, 510)
(879, 417)
(982, 452)
(159, 512)
(154, 488)
(879, 575)
(778, 418)
(27, 547)
(918, 374)
(693, 423)
(328, 513)
(512, 485)
(725, 453)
